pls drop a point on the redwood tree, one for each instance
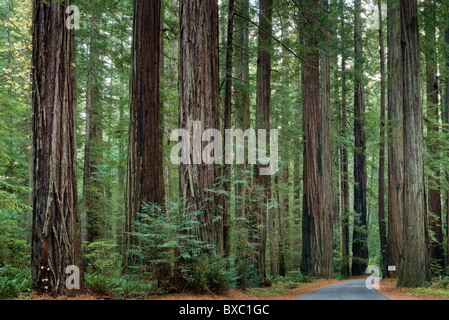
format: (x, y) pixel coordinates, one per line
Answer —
(317, 229)
(414, 261)
(199, 101)
(56, 240)
(145, 182)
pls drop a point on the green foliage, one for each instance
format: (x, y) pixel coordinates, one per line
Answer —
(165, 237)
(296, 276)
(97, 282)
(436, 268)
(102, 257)
(247, 275)
(130, 288)
(14, 282)
(430, 291)
(125, 287)
(208, 273)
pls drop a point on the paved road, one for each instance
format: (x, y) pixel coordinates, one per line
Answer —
(348, 290)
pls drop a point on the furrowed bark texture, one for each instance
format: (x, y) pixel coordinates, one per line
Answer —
(199, 101)
(56, 240)
(414, 261)
(318, 202)
(145, 182)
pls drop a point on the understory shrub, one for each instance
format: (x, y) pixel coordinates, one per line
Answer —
(14, 282)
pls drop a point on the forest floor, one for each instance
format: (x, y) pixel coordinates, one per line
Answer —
(277, 291)
(388, 288)
(280, 292)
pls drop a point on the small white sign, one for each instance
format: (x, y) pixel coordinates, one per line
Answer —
(391, 268)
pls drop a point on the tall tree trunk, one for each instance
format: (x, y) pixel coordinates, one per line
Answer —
(263, 122)
(414, 262)
(345, 161)
(145, 182)
(199, 101)
(317, 258)
(359, 244)
(381, 214)
(434, 196)
(56, 239)
(395, 136)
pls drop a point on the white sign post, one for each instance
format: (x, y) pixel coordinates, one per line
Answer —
(391, 269)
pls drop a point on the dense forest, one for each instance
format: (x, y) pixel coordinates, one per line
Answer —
(169, 145)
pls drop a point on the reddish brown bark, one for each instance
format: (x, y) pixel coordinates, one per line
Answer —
(414, 262)
(317, 258)
(145, 182)
(56, 240)
(199, 101)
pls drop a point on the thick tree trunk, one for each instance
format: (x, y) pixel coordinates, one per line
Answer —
(434, 196)
(395, 136)
(56, 239)
(381, 213)
(145, 182)
(359, 244)
(317, 258)
(414, 261)
(199, 101)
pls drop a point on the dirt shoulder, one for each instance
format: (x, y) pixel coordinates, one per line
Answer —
(271, 293)
(389, 289)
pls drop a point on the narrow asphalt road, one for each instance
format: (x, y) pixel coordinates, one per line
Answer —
(348, 290)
